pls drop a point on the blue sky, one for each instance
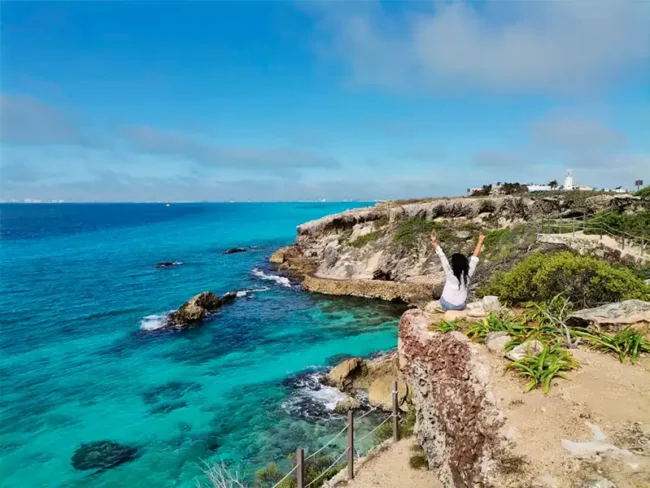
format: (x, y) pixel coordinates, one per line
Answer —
(122, 101)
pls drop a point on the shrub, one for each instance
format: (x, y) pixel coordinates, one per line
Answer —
(418, 461)
(583, 280)
(445, 326)
(412, 230)
(268, 476)
(406, 426)
(637, 224)
(317, 470)
(365, 239)
(643, 192)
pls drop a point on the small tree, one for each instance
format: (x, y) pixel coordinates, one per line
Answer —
(553, 184)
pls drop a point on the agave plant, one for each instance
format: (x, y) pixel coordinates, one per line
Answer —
(543, 368)
(447, 326)
(625, 343)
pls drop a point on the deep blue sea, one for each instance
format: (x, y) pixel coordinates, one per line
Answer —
(82, 357)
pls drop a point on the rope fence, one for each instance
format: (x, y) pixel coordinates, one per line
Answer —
(301, 461)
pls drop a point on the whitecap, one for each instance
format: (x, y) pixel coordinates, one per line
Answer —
(310, 399)
(243, 293)
(154, 322)
(280, 280)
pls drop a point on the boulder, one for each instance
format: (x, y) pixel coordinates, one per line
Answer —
(463, 234)
(234, 250)
(491, 304)
(198, 308)
(347, 404)
(496, 341)
(102, 455)
(284, 253)
(451, 315)
(380, 393)
(341, 375)
(533, 347)
(433, 307)
(613, 316)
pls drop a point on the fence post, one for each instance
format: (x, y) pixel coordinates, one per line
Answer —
(350, 445)
(623, 242)
(395, 418)
(574, 228)
(300, 472)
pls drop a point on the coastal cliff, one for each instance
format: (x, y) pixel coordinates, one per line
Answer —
(479, 429)
(384, 251)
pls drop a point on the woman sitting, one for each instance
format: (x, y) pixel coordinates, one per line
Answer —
(458, 275)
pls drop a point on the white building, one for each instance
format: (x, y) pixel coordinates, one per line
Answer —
(534, 188)
(568, 180)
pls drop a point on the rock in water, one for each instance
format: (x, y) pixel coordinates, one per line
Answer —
(613, 316)
(102, 455)
(346, 405)
(234, 250)
(198, 308)
(167, 264)
(342, 374)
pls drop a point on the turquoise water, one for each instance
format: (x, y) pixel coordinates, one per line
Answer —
(82, 357)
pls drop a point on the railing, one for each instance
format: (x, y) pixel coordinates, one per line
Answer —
(298, 470)
(628, 243)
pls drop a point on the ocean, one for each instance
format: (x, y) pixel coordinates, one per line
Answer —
(83, 357)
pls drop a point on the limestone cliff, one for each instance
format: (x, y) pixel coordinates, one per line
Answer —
(479, 429)
(384, 251)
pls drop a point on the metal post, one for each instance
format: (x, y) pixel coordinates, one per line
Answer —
(623, 242)
(395, 418)
(350, 445)
(300, 472)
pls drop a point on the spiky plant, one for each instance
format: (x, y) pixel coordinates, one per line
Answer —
(543, 368)
(626, 343)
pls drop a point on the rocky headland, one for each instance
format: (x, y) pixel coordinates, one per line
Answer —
(551, 391)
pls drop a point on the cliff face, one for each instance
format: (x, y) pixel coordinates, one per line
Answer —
(479, 430)
(459, 420)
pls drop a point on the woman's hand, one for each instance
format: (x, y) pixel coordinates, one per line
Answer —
(434, 239)
(481, 237)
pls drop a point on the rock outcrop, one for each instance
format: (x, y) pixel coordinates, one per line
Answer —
(235, 250)
(376, 376)
(458, 418)
(102, 455)
(197, 309)
(168, 264)
(613, 317)
(479, 430)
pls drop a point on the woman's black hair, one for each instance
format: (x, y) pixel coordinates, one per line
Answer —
(460, 267)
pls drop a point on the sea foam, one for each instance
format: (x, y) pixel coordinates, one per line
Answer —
(280, 280)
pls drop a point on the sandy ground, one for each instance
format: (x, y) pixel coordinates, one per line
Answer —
(390, 469)
(602, 398)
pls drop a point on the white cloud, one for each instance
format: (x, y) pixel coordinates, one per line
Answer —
(514, 47)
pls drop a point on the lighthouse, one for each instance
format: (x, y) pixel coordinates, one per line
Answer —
(568, 180)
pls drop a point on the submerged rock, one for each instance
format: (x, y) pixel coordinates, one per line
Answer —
(168, 264)
(235, 250)
(198, 308)
(102, 455)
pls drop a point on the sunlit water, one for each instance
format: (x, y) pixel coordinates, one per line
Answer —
(83, 357)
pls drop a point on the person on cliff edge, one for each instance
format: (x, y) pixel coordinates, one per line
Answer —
(458, 275)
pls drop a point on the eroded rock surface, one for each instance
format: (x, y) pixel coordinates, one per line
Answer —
(613, 316)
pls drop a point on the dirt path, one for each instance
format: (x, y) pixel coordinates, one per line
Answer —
(390, 469)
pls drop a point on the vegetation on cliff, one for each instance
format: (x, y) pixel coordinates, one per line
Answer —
(643, 192)
(583, 280)
(636, 224)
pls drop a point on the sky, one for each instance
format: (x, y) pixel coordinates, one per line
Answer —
(309, 100)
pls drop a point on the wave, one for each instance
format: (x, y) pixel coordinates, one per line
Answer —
(154, 322)
(280, 280)
(243, 293)
(310, 399)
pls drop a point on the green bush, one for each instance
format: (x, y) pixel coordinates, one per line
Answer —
(584, 281)
(643, 192)
(315, 469)
(365, 239)
(637, 224)
(406, 426)
(412, 230)
(418, 461)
